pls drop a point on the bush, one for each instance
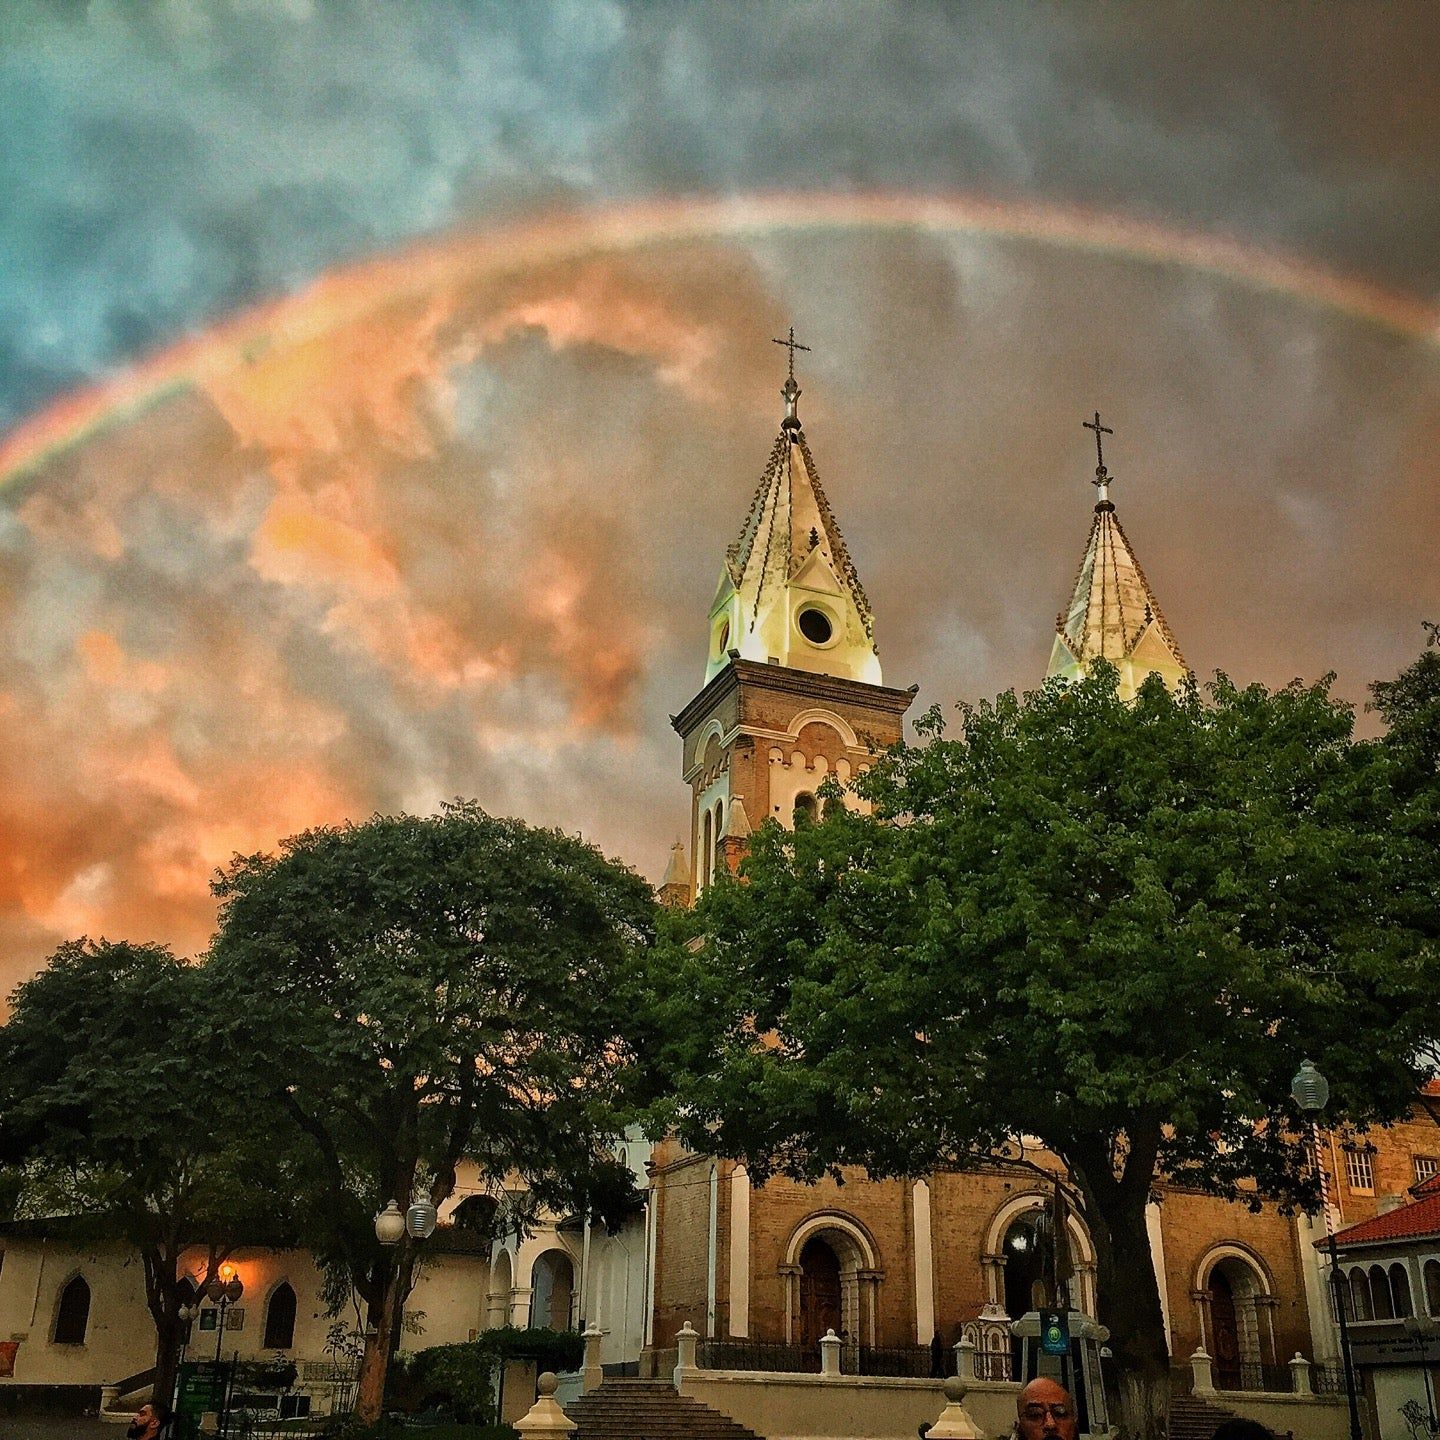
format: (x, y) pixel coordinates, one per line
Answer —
(457, 1379)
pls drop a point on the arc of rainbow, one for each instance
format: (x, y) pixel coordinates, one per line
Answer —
(352, 290)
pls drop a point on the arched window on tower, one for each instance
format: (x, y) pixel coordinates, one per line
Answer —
(72, 1315)
(719, 839)
(1380, 1293)
(707, 851)
(1432, 1286)
(805, 810)
(1400, 1291)
(280, 1318)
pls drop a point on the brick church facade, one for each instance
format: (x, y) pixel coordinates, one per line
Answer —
(792, 695)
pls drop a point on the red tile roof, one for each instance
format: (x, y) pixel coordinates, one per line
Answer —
(1408, 1222)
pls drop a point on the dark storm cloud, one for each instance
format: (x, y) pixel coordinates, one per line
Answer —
(165, 163)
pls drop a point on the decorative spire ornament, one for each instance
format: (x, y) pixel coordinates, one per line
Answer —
(1101, 482)
(790, 391)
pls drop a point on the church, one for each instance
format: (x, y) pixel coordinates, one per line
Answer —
(791, 694)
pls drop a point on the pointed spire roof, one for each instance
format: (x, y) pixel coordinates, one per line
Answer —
(1113, 613)
(789, 593)
(677, 872)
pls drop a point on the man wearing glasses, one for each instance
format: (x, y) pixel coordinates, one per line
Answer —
(1045, 1410)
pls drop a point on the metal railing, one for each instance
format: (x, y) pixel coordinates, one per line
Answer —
(993, 1365)
(1247, 1376)
(759, 1355)
(912, 1362)
(1327, 1379)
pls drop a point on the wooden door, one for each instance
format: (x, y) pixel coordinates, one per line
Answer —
(819, 1296)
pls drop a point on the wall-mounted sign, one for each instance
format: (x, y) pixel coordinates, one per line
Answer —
(1054, 1332)
(1397, 1350)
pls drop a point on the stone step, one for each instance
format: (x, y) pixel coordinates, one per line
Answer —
(1192, 1419)
(624, 1409)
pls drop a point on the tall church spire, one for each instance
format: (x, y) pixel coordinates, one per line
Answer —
(789, 594)
(1113, 613)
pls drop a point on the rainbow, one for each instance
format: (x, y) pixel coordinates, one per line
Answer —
(349, 292)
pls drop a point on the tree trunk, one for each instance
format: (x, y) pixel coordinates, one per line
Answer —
(383, 1323)
(1129, 1303)
(167, 1358)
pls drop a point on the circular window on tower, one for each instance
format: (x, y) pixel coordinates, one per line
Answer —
(815, 625)
(722, 637)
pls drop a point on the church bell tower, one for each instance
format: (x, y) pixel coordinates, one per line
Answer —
(793, 691)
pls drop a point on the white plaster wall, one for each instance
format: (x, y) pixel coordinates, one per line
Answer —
(120, 1339)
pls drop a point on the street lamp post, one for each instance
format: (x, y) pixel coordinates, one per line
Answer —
(224, 1290)
(1310, 1090)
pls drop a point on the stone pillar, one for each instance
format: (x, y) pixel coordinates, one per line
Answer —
(109, 1394)
(1300, 1375)
(965, 1360)
(520, 1299)
(869, 1283)
(687, 1344)
(1202, 1309)
(740, 1255)
(1201, 1368)
(592, 1373)
(993, 1268)
(790, 1283)
(924, 1263)
(830, 1344)
(546, 1420)
(955, 1422)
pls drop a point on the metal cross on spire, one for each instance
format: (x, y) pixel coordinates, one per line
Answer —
(1099, 430)
(792, 345)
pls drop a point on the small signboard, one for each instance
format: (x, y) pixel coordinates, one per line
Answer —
(202, 1388)
(7, 1357)
(1397, 1350)
(1054, 1332)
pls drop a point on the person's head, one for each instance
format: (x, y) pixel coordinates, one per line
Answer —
(1044, 1410)
(1239, 1428)
(150, 1421)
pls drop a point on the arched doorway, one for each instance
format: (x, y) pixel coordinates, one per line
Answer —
(554, 1291)
(831, 1278)
(820, 1294)
(1235, 1293)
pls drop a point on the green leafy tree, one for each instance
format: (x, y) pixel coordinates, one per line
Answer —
(113, 1123)
(412, 993)
(1115, 927)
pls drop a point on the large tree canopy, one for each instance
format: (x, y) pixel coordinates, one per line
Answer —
(112, 1117)
(414, 992)
(1115, 927)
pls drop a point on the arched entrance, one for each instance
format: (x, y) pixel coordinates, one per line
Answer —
(554, 1292)
(831, 1279)
(1236, 1322)
(1027, 1251)
(820, 1298)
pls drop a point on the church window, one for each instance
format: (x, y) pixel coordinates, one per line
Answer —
(1426, 1167)
(280, 1318)
(719, 836)
(722, 637)
(707, 850)
(805, 809)
(72, 1317)
(815, 625)
(1359, 1171)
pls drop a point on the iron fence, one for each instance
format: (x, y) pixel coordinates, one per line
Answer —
(1327, 1379)
(914, 1362)
(759, 1355)
(1272, 1378)
(994, 1365)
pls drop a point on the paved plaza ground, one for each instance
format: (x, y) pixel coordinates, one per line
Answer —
(57, 1427)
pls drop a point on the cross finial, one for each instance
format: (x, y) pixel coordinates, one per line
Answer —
(792, 345)
(1102, 476)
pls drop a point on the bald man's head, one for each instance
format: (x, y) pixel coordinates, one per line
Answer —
(1045, 1409)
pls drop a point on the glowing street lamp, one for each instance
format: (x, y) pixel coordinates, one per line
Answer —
(224, 1290)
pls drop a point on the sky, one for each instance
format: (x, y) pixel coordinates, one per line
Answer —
(380, 385)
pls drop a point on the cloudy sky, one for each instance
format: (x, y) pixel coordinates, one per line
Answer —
(381, 384)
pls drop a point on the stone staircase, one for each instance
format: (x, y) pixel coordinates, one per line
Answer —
(1192, 1419)
(649, 1410)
